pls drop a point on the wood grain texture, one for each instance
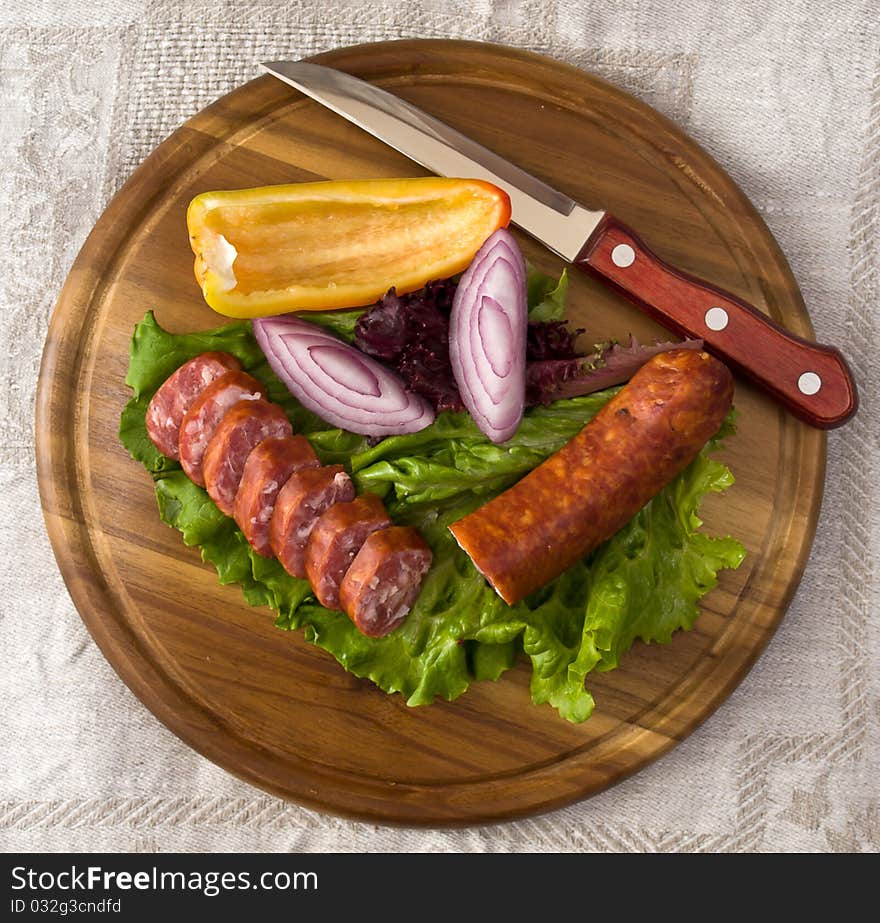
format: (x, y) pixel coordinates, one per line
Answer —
(263, 703)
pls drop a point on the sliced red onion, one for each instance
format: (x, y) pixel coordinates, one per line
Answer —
(337, 381)
(487, 337)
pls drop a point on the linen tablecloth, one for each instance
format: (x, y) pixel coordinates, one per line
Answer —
(784, 95)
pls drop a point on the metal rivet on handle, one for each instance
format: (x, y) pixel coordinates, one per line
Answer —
(716, 318)
(623, 255)
(809, 383)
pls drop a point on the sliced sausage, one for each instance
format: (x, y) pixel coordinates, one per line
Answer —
(266, 471)
(336, 539)
(580, 496)
(176, 395)
(243, 427)
(305, 496)
(206, 412)
(384, 580)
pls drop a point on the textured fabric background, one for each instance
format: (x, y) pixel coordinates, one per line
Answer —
(785, 95)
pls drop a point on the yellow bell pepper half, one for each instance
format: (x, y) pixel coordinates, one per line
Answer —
(321, 246)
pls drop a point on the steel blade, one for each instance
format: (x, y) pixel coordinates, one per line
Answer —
(557, 221)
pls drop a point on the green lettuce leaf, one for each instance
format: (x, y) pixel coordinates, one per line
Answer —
(545, 295)
(342, 323)
(452, 457)
(644, 583)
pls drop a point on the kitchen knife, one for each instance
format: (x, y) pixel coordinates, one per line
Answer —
(811, 380)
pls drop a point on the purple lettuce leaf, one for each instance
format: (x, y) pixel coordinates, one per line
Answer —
(410, 333)
(610, 364)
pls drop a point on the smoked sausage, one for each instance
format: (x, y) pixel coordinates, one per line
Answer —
(176, 395)
(336, 539)
(384, 579)
(584, 493)
(243, 427)
(266, 471)
(206, 412)
(305, 496)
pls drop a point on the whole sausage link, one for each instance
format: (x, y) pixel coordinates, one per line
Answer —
(588, 490)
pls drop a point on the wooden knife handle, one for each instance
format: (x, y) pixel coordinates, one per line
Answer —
(812, 381)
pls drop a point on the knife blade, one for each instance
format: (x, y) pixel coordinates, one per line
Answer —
(811, 380)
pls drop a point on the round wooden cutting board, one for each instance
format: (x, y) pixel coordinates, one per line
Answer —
(263, 703)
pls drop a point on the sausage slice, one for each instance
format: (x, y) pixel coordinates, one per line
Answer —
(266, 471)
(176, 395)
(336, 539)
(305, 496)
(384, 580)
(242, 429)
(206, 412)
(584, 493)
